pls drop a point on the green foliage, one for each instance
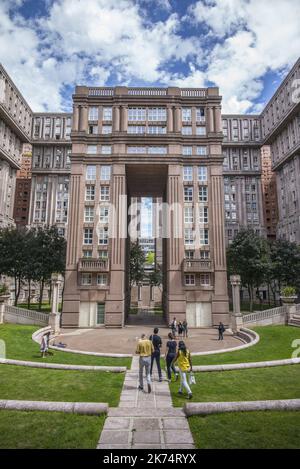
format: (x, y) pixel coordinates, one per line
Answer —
(136, 264)
(150, 258)
(155, 277)
(284, 265)
(4, 289)
(288, 291)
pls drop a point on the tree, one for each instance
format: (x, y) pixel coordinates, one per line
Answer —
(247, 256)
(13, 256)
(136, 264)
(285, 265)
(150, 258)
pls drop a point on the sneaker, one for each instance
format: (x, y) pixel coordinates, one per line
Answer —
(149, 388)
(141, 388)
(190, 396)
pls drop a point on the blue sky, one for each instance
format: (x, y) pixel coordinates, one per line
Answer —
(243, 46)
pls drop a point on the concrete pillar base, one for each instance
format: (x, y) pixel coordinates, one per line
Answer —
(54, 322)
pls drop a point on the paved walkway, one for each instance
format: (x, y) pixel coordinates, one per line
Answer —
(145, 420)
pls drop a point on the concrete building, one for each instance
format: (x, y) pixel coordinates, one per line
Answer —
(15, 129)
(146, 142)
(269, 189)
(51, 166)
(23, 187)
(242, 174)
(281, 130)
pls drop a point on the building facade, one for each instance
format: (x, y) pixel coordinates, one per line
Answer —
(15, 130)
(243, 196)
(51, 166)
(269, 189)
(281, 130)
(23, 187)
(153, 142)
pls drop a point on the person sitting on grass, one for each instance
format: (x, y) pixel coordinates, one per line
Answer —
(184, 363)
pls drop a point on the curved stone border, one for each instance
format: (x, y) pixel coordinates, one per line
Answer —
(244, 334)
(206, 408)
(36, 337)
(84, 408)
(243, 366)
(61, 366)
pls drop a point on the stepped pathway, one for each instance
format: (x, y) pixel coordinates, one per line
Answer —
(145, 420)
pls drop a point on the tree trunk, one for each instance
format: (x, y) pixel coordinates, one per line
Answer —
(16, 297)
(17, 289)
(41, 294)
(29, 294)
(250, 289)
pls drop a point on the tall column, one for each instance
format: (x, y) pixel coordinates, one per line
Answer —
(54, 316)
(176, 300)
(75, 122)
(170, 123)
(236, 318)
(83, 120)
(116, 298)
(116, 118)
(211, 125)
(177, 119)
(217, 240)
(124, 119)
(217, 119)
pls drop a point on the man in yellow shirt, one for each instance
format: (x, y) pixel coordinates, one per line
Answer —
(144, 350)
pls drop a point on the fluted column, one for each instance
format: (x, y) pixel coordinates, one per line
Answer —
(177, 119)
(217, 119)
(75, 125)
(124, 119)
(116, 118)
(170, 126)
(73, 233)
(83, 118)
(211, 125)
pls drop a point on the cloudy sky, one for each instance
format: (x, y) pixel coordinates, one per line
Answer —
(243, 46)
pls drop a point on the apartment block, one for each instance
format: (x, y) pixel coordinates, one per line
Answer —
(146, 142)
(51, 166)
(269, 189)
(281, 130)
(15, 130)
(243, 197)
(23, 187)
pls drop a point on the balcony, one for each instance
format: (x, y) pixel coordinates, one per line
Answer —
(93, 265)
(197, 265)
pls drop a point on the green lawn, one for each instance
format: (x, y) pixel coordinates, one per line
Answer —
(275, 343)
(244, 385)
(24, 383)
(265, 430)
(20, 346)
(45, 307)
(49, 430)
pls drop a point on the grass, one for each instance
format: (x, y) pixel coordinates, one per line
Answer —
(45, 307)
(20, 346)
(245, 307)
(281, 382)
(275, 344)
(49, 430)
(18, 382)
(240, 430)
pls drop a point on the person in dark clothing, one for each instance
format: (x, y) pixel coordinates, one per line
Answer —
(185, 328)
(170, 355)
(180, 329)
(157, 343)
(221, 329)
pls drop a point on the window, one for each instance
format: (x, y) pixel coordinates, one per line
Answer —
(136, 114)
(188, 173)
(186, 130)
(88, 236)
(200, 114)
(102, 279)
(202, 173)
(136, 150)
(188, 215)
(157, 114)
(106, 129)
(203, 214)
(204, 236)
(188, 194)
(93, 114)
(204, 279)
(188, 236)
(157, 150)
(103, 235)
(105, 173)
(88, 214)
(201, 151)
(156, 129)
(86, 279)
(106, 149)
(190, 279)
(91, 149)
(203, 197)
(104, 214)
(107, 113)
(88, 253)
(102, 254)
(189, 254)
(91, 173)
(136, 129)
(186, 151)
(204, 254)
(186, 114)
(100, 313)
(104, 193)
(200, 130)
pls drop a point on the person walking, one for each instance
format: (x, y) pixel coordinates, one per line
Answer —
(157, 343)
(184, 362)
(221, 329)
(180, 329)
(144, 350)
(174, 327)
(44, 346)
(185, 328)
(170, 355)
